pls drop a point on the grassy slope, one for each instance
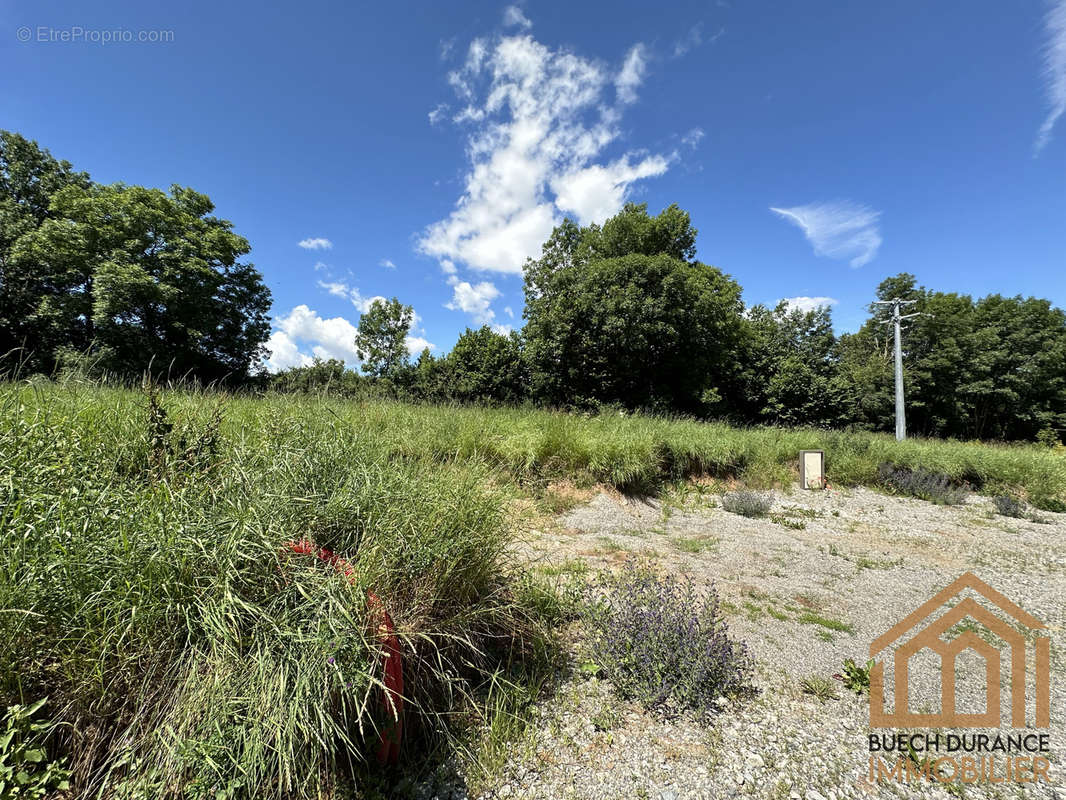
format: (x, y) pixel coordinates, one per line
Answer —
(141, 584)
(640, 452)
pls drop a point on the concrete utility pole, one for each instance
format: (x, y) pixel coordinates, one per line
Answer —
(901, 417)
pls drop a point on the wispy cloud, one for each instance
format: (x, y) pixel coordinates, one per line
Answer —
(692, 138)
(538, 120)
(514, 18)
(840, 229)
(349, 293)
(387, 263)
(632, 75)
(690, 41)
(1054, 58)
(315, 243)
(806, 304)
(438, 113)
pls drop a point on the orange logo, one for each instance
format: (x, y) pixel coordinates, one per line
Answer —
(1022, 628)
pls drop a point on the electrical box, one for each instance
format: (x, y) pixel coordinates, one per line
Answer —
(812, 469)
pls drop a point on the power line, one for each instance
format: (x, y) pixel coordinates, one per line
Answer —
(897, 318)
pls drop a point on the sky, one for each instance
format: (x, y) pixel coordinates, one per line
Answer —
(424, 151)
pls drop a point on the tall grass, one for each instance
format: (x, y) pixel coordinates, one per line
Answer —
(640, 452)
(146, 589)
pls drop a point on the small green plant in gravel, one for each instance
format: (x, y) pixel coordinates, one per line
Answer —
(25, 769)
(665, 645)
(696, 544)
(855, 677)
(819, 687)
(810, 618)
(748, 504)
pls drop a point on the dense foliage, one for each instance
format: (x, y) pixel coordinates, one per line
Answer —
(135, 277)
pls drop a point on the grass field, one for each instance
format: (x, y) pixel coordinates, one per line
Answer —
(147, 592)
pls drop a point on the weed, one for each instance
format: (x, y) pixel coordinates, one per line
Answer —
(784, 521)
(25, 769)
(748, 504)
(855, 678)
(810, 618)
(819, 687)
(697, 544)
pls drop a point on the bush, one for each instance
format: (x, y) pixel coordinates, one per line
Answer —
(1008, 506)
(933, 486)
(664, 645)
(748, 504)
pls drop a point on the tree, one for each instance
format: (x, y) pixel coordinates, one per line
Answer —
(624, 314)
(146, 280)
(991, 368)
(381, 340)
(485, 366)
(29, 178)
(790, 367)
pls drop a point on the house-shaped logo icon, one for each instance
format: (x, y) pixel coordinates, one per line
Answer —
(1023, 628)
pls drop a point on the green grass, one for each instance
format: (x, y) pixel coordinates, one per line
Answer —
(643, 453)
(810, 618)
(145, 588)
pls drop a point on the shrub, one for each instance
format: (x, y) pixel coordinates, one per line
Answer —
(922, 483)
(1008, 506)
(748, 504)
(664, 644)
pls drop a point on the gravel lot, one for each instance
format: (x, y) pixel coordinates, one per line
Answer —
(806, 588)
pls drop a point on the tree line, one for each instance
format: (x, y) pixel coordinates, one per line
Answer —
(619, 315)
(624, 315)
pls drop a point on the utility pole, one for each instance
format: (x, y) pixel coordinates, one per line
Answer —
(897, 318)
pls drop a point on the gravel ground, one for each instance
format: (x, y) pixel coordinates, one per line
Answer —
(805, 589)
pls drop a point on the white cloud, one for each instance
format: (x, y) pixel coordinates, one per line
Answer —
(513, 17)
(632, 74)
(387, 263)
(325, 338)
(350, 293)
(302, 334)
(692, 138)
(596, 192)
(319, 266)
(539, 119)
(1054, 58)
(438, 113)
(508, 311)
(806, 304)
(473, 299)
(316, 243)
(840, 229)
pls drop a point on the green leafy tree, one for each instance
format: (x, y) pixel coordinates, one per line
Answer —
(29, 178)
(147, 280)
(485, 366)
(790, 367)
(381, 340)
(623, 313)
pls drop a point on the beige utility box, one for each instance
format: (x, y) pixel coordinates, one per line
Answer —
(812, 469)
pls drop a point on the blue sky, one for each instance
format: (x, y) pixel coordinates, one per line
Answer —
(423, 151)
